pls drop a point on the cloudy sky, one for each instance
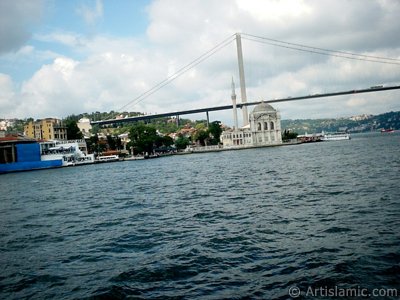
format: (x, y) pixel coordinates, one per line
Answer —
(68, 57)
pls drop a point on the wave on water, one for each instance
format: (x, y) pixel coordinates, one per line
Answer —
(248, 224)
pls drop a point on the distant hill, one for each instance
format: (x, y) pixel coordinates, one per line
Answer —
(361, 123)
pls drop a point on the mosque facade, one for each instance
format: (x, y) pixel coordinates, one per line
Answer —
(264, 128)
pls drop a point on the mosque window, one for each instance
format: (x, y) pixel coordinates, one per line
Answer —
(272, 125)
(265, 126)
(258, 126)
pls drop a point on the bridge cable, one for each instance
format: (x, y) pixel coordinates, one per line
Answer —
(328, 52)
(180, 72)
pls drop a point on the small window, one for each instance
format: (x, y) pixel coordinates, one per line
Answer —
(272, 126)
(258, 126)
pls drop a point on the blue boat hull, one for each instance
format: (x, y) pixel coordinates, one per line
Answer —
(29, 165)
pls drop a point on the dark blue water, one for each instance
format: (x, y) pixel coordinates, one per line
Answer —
(245, 224)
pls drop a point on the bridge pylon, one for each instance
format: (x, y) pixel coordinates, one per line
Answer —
(242, 79)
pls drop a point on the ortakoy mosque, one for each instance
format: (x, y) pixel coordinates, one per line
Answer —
(261, 128)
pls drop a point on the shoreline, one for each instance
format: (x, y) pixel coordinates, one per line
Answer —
(194, 151)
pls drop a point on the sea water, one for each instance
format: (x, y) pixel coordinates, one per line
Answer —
(268, 223)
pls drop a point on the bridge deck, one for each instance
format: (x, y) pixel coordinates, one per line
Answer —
(239, 105)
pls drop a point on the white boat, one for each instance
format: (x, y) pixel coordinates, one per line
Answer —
(336, 136)
(72, 152)
(134, 158)
(108, 158)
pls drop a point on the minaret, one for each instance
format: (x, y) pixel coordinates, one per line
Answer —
(233, 97)
(242, 79)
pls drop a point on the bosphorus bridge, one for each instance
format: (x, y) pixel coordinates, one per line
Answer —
(244, 104)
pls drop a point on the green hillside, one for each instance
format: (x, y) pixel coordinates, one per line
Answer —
(354, 124)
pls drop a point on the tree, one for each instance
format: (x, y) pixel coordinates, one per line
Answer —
(215, 131)
(165, 141)
(201, 136)
(288, 135)
(18, 126)
(201, 126)
(143, 138)
(111, 142)
(72, 118)
(118, 143)
(95, 129)
(73, 131)
(182, 142)
(93, 144)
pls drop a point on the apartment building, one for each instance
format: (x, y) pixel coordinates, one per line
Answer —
(46, 129)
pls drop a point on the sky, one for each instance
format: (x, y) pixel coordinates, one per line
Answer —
(59, 58)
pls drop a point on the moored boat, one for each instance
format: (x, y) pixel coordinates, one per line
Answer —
(387, 130)
(134, 158)
(107, 158)
(22, 154)
(72, 152)
(336, 136)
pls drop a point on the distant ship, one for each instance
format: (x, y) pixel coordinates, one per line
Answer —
(336, 136)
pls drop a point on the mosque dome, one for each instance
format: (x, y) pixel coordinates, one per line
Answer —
(263, 107)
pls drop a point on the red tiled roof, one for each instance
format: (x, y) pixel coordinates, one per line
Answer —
(15, 138)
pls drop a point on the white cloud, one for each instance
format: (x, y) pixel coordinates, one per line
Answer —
(278, 11)
(111, 71)
(91, 14)
(6, 94)
(355, 102)
(69, 39)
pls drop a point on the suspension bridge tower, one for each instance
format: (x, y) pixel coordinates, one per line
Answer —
(242, 79)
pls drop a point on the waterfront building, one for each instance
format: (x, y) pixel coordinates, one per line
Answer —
(85, 127)
(265, 124)
(264, 128)
(124, 140)
(46, 129)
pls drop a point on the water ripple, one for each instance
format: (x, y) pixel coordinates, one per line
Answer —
(234, 225)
